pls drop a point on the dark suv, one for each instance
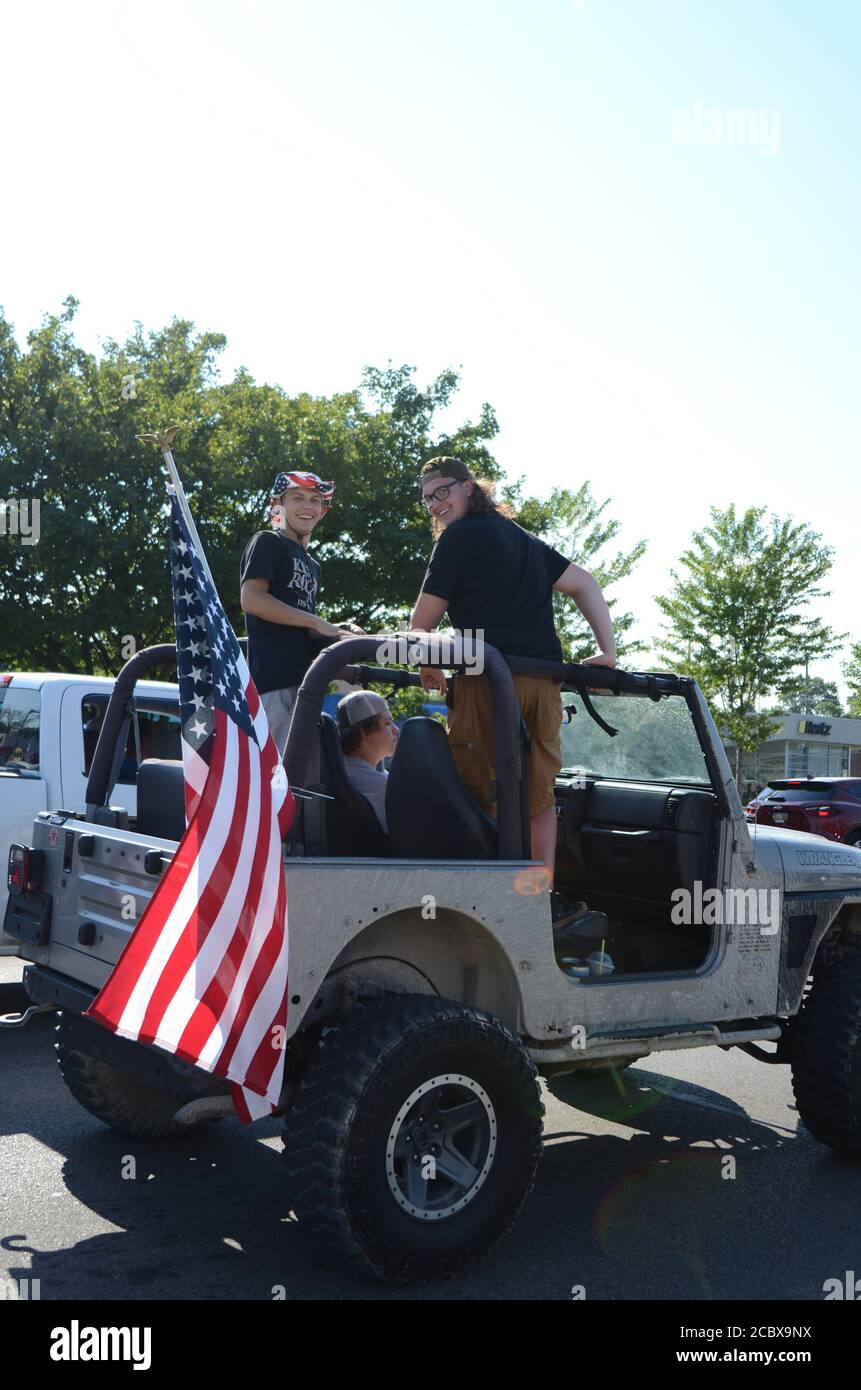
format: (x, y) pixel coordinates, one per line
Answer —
(829, 806)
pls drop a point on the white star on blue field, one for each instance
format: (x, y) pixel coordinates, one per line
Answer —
(207, 652)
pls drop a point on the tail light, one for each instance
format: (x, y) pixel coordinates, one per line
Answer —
(827, 810)
(26, 868)
(5, 680)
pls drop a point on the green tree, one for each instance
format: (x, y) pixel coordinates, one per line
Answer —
(807, 696)
(852, 672)
(410, 701)
(69, 427)
(737, 620)
(374, 544)
(575, 524)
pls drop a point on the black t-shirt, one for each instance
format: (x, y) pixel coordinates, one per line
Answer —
(279, 656)
(498, 577)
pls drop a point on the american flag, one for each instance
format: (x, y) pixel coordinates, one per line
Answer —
(204, 973)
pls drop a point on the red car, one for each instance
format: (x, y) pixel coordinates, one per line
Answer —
(829, 806)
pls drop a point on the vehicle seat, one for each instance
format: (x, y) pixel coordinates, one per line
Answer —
(430, 813)
(352, 827)
(161, 798)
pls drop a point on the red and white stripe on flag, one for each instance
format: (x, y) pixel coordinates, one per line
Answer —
(204, 973)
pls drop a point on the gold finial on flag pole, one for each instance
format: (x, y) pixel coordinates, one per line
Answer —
(163, 438)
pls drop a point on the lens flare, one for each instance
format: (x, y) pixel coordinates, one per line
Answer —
(531, 882)
(630, 1222)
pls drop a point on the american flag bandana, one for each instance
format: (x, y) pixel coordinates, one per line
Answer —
(204, 973)
(284, 481)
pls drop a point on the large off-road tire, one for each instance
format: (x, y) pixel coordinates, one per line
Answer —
(404, 1081)
(118, 1099)
(826, 1057)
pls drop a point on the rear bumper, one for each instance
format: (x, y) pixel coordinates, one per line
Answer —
(149, 1065)
(47, 987)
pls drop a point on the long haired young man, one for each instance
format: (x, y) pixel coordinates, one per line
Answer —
(488, 573)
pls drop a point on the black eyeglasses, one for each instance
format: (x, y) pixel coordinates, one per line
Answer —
(440, 494)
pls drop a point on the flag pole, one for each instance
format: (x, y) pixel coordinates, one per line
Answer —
(164, 439)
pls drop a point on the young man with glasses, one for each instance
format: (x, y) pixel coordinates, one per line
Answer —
(490, 574)
(278, 593)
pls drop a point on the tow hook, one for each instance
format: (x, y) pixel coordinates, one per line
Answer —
(19, 1020)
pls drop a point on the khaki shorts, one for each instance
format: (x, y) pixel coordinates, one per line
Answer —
(470, 732)
(279, 706)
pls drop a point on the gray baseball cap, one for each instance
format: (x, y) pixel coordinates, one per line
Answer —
(445, 466)
(359, 705)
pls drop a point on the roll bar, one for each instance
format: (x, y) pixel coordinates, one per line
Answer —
(348, 654)
(346, 660)
(108, 756)
(110, 747)
(573, 675)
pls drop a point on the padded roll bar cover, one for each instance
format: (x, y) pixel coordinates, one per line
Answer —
(161, 798)
(429, 811)
(99, 785)
(612, 678)
(114, 723)
(329, 665)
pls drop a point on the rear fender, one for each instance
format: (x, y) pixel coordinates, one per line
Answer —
(452, 956)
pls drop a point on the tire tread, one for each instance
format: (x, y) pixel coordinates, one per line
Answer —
(826, 1064)
(324, 1111)
(116, 1098)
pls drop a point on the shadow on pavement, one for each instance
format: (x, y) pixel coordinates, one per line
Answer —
(653, 1213)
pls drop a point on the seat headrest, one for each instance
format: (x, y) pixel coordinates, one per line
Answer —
(430, 813)
(161, 798)
(352, 827)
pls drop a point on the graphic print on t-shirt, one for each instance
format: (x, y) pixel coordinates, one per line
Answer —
(304, 583)
(279, 655)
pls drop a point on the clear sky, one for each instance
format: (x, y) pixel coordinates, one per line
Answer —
(548, 194)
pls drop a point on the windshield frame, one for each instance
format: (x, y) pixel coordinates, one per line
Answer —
(656, 687)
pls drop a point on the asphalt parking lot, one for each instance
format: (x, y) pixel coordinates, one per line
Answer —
(636, 1197)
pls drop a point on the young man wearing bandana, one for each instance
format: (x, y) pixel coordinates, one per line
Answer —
(278, 592)
(490, 574)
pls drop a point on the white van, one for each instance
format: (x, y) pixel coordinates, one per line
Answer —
(49, 726)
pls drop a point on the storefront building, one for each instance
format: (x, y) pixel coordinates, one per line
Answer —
(804, 745)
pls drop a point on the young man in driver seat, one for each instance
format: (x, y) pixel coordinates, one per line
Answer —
(368, 735)
(490, 574)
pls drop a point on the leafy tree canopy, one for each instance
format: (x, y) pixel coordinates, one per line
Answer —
(737, 616)
(852, 672)
(814, 695)
(69, 426)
